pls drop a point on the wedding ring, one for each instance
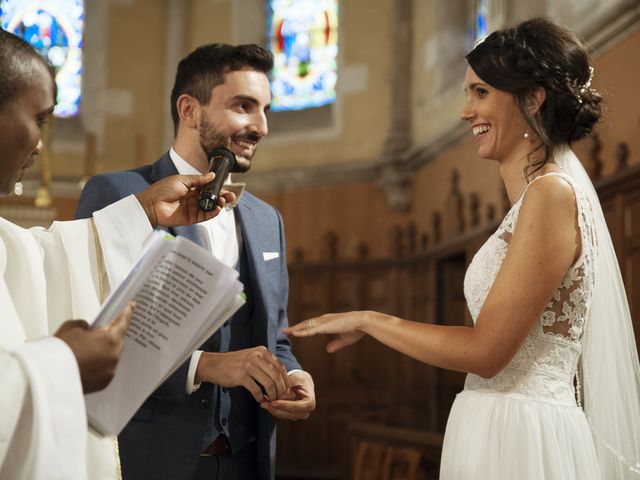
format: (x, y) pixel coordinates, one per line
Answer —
(311, 323)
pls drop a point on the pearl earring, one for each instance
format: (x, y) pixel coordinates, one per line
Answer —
(526, 135)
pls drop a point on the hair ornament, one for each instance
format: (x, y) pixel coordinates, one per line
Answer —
(586, 85)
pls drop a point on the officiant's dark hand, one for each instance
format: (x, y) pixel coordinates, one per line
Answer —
(97, 351)
(173, 201)
(250, 368)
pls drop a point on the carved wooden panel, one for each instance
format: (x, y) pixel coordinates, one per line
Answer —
(620, 195)
(451, 311)
(631, 266)
(407, 453)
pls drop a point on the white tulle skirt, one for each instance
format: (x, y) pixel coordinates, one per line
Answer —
(491, 435)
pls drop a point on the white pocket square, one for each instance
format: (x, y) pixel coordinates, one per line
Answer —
(270, 255)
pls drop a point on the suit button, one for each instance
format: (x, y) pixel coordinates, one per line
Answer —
(204, 403)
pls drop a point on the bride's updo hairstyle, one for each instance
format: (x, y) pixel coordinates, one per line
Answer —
(539, 53)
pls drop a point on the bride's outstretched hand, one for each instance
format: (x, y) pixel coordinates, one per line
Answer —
(346, 327)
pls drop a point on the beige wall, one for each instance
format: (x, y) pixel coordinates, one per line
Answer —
(134, 75)
(207, 21)
(135, 60)
(616, 74)
(359, 213)
(134, 106)
(130, 99)
(438, 67)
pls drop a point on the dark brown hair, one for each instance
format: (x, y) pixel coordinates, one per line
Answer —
(205, 67)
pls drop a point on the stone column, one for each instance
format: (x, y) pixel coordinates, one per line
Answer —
(395, 175)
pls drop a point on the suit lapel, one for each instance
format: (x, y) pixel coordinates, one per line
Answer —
(162, 168)
(252, 228)
(247, 220)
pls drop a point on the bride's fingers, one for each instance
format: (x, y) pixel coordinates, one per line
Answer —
(337, 344)
(303, 329)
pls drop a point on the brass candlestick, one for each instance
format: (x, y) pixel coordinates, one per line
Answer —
(43, 196)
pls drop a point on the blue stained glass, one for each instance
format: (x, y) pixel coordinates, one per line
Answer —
(54, 28)
(319, 84)
(288, 89)
(303, 37)
(482, 10)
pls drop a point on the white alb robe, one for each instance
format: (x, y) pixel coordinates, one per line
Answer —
(47, 277)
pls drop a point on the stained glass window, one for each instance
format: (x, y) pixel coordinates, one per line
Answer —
(54, 29)
(303, 36)
(478, 22)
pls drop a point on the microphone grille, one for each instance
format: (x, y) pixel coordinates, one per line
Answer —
(225, 153)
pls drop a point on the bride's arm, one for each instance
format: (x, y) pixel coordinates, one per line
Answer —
(544, 245)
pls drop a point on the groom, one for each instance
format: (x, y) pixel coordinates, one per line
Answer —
(215, 416)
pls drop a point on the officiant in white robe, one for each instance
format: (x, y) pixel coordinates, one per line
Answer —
(48, 277)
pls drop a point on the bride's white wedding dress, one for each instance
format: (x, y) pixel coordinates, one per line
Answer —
(525, 423)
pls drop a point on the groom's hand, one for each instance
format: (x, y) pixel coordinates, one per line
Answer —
(256, 369)
(301, 406)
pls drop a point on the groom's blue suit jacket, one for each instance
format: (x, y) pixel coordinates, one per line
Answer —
(164, 439)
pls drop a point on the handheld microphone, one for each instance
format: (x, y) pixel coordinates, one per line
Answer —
(221, 162)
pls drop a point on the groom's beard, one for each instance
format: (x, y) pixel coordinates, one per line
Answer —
(211, 138)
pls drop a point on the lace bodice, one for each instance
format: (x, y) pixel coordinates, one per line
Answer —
(545, 364)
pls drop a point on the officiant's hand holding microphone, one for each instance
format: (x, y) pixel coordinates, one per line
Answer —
(187, 199)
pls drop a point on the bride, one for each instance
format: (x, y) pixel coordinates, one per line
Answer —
(552, 385)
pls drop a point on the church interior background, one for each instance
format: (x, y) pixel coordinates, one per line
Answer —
(382, 193)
